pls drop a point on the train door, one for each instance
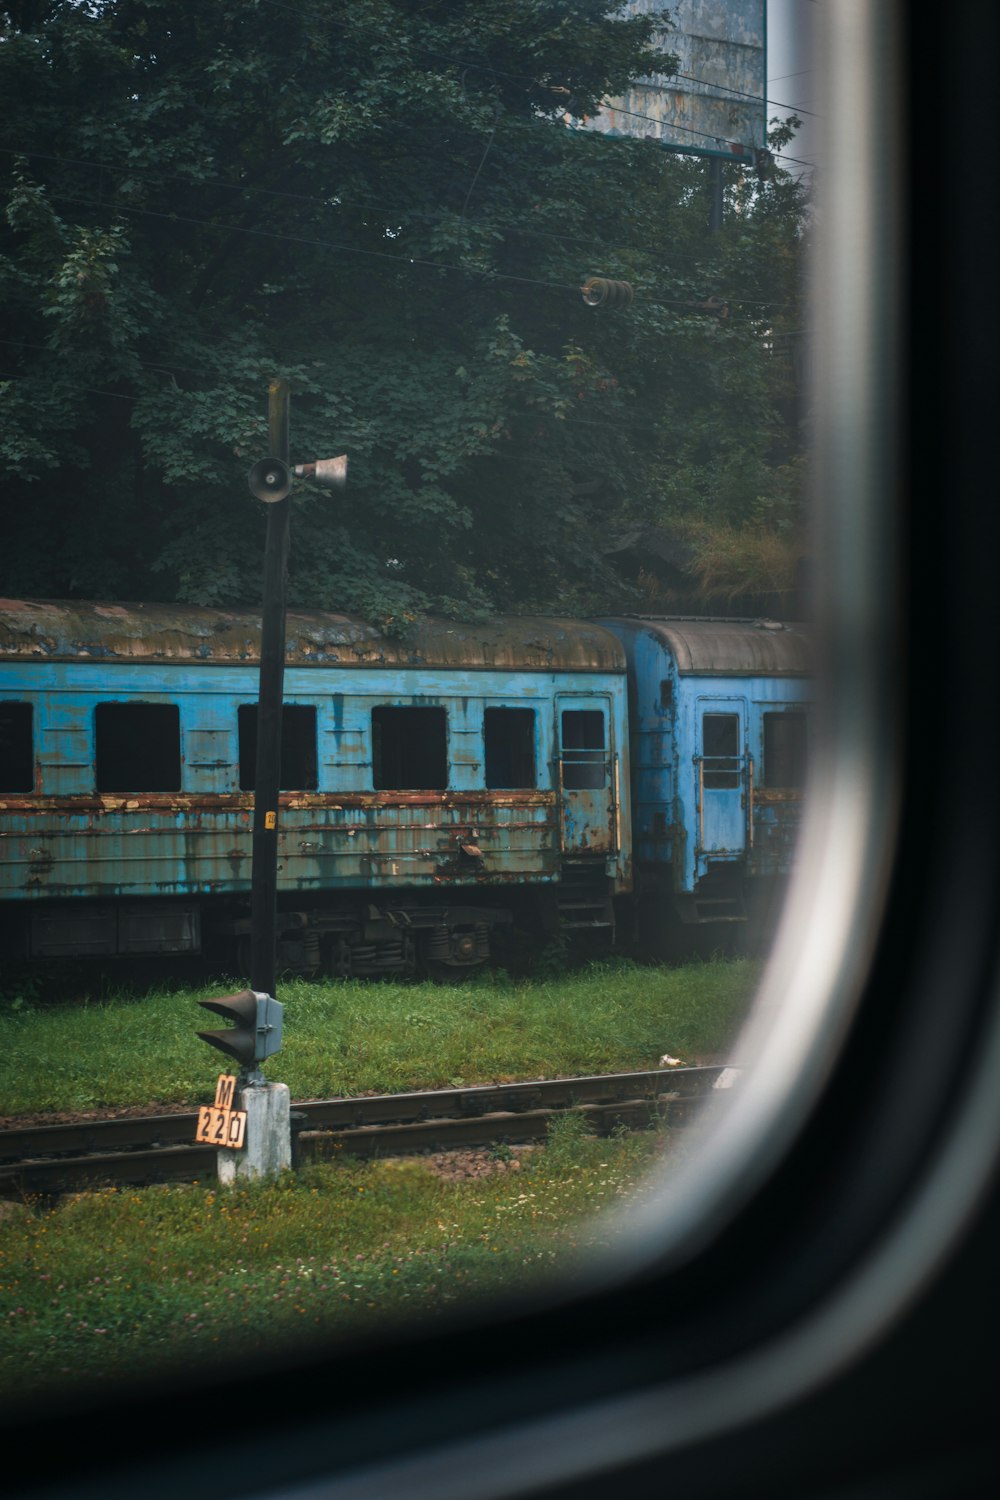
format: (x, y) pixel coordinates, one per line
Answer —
(586, 778)
(721, 772)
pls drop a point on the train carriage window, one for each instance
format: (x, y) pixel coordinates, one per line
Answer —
(784, 750)
(299, 766)
(583, 749)
(509, 735)
(17, 770)
(409, 749)
(138, 747)
(721, 750)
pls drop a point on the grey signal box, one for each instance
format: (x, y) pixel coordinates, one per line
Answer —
(256, 1030)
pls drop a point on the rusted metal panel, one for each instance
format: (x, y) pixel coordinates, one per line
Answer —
(727, 648)
(47, 631)
(777, 816)
(166, 845)
(67, 839)
(681, 670)
(587, 823)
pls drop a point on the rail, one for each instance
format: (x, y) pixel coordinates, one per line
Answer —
(160, 1148)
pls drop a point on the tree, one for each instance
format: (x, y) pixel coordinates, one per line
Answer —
(378, 200)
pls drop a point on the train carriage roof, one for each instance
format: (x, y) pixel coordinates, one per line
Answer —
(47, 630)
(705, 647)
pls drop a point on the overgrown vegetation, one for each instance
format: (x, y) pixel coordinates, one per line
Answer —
(123, 1284)
(380, 202)
(120, 1283)
(344, 1037)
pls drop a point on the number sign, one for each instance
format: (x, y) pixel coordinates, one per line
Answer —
(219, 1124)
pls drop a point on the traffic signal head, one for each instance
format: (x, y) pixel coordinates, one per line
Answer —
(256, 1030)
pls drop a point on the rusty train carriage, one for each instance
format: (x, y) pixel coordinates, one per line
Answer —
(720, 730)
(437, 787)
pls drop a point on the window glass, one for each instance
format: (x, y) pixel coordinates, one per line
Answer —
(298, 747)
(509, 735)
(138, 747)
(784, 750)
(721, 749)
(583, 749)
(409, 749)
(17, 771)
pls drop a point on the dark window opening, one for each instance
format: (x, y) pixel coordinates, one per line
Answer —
(299, 771)
(509, 735)
(409, 749)
(785, 750)
(138, 747)
(17, 766)
(721, 751)
(666, 696)
(583, 757)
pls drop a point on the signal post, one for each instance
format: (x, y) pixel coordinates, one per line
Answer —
(254, 1137)
(250, 1120)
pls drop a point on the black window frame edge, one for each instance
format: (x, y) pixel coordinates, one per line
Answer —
(817, 1333)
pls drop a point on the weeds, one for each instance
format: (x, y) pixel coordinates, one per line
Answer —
(346, 1037)
(120, 1283)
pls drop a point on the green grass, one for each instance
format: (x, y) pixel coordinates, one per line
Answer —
(128, 1283)
(348, 1037)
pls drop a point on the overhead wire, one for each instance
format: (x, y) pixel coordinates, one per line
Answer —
(320, 200)
(171, 215)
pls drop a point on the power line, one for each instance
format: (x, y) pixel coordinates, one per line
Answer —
(91, 390)
(402, 261)
(329, 200)
(742, 93)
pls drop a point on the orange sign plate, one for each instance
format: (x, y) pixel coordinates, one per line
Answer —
(221, 1127)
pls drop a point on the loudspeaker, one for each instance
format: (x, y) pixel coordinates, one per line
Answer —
(331, 473)
(270, 479)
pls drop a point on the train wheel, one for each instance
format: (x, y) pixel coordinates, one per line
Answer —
(450, 954)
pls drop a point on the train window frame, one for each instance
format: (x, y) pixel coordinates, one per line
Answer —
(431, 770)
(500, 747)
(722, 768)
(299, 746)
(122, 722)
(17, 755)
(584, 765)
(795, 752)
(826, 1255)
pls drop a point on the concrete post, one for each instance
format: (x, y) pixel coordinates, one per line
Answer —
(268, 1145)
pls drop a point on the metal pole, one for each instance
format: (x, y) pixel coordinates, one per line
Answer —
(267, 778)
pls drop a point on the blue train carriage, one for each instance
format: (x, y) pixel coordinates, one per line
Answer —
(436, 789)
(720, 729)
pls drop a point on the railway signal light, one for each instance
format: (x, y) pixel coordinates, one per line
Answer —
(256, 1030)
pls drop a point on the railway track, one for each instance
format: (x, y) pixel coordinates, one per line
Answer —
(161, 1148)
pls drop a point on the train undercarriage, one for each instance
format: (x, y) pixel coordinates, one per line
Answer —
(405, 932)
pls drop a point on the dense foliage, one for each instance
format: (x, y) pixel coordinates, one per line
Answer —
(379, 200)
